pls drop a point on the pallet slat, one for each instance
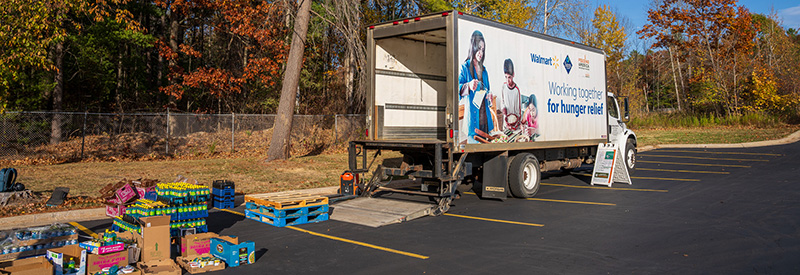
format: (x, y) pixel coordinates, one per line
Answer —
(281, 222)
(286, 212)
(280, 202)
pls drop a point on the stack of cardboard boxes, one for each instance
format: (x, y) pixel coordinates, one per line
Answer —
(154, 241)
(118, 196)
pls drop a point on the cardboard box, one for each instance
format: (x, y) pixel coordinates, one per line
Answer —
(17, 255)
(115, 210)
(232, 252)
(133, 250)
(126, 193)
(159, 267)
(62, 255)
(98, 248)
(196, 244)
(184, 262)
(154, 239)
(29, 266)
(96, 263)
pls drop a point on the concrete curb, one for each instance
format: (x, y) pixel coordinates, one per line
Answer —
(100, 213)
(794, 137)
(52, 217)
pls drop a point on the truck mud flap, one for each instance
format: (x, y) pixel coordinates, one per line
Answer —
(495, 177)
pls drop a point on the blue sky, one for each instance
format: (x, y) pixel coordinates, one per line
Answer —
(636, 10)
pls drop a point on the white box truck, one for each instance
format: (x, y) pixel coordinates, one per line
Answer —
(465, 99)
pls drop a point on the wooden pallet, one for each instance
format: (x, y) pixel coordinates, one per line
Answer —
(286, 212)
(281, 222)
(286, 200)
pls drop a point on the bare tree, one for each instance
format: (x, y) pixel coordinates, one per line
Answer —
(559, 17)
(346, 17)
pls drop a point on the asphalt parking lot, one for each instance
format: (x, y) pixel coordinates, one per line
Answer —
(687, 211)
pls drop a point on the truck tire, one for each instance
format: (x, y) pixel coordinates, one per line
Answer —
(630, 156)
(524, 175)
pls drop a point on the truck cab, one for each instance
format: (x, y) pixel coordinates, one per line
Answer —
(618, 132)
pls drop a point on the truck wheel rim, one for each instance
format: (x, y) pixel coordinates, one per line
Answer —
(529, 176)
(631, 158)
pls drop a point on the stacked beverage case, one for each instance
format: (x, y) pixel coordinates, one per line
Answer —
(185, 203)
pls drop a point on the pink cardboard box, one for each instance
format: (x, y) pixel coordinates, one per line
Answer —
(100, 250)
(126, 193)
(143, 190)
(115, 210)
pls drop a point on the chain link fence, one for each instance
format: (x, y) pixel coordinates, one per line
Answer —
(121, 135)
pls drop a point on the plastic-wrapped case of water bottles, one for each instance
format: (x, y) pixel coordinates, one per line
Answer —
(182, 193)
(30, 241)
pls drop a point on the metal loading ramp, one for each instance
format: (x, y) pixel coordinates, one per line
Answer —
(377, 212)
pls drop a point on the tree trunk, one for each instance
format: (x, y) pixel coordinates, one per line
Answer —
(279, 145)
(544, 28)
(58, 94)
(118, 96)
(674, 79)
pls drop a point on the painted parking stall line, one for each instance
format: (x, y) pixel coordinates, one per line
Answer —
(649, 178)
(492, 220)
(561, 201)
(703, 158)
(84, 230)
(684, 171)
(574, 202)
(606, 188)
(721, 153)
(400, 252)
(694, 164)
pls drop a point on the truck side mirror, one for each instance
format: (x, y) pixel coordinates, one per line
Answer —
(626, 113)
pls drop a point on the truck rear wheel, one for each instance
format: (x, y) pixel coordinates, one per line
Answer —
(524, 175)
(630, 156)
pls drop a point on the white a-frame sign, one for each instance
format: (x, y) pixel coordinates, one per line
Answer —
(609, 167)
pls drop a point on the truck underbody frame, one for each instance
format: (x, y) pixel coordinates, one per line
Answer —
(428, 168)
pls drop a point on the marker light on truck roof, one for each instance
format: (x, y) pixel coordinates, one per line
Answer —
(371, 27)
(405, 21)
(416, 18)
(445, 14)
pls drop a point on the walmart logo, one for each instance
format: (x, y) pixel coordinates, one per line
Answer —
(567, 64)
(547, 61)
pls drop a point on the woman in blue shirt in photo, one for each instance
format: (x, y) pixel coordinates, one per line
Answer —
(473, 83)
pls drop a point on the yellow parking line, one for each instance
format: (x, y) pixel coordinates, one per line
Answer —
(360, 243)
(578, 202)
(691, 157)
(418, 256)
(723, 153)
(684, 171)
(85, 230)
(654, 178)
(695, 164)
(606, 188)
(644, 178)
(493, 220)
(550, 200)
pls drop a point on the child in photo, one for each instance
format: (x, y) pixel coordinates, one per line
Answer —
(530, 118)
(510, 99)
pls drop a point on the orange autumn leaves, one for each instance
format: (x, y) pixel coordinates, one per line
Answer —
(260, 27)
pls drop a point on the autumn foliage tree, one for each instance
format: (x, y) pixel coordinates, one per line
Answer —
(254, 59)
(716, 35)
(34, 34)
